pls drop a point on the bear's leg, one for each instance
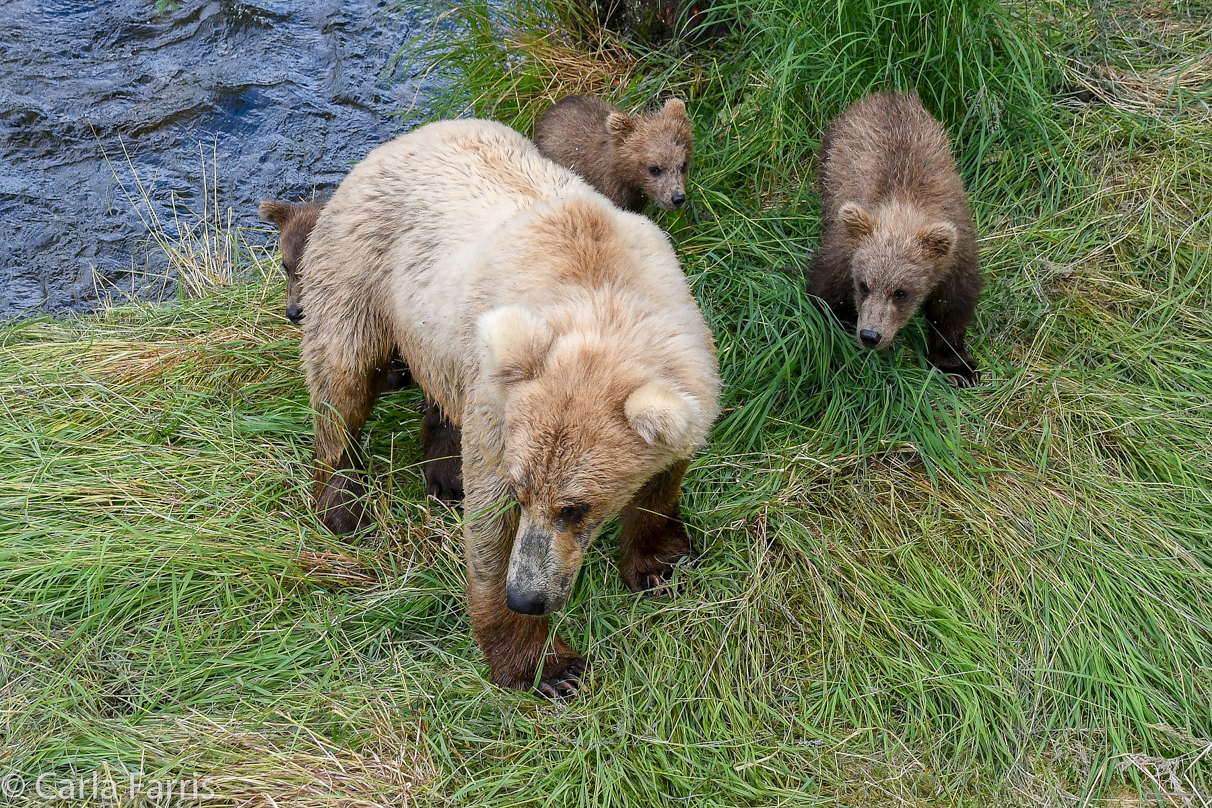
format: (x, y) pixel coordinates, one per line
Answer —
(342, 403)
(830, 280)
(949, 311)
(653, 536)
(441, 449)
(519, 648)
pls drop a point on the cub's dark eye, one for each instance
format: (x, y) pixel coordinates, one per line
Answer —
(656, 171)
(571, 514)
(864, 288)
(685, 166)
(900, 294)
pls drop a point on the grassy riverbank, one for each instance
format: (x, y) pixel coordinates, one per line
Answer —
(906, 594)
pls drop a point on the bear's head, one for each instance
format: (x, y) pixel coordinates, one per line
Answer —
(655, 151)
(584, 430)
(295, 223)
(898, 255)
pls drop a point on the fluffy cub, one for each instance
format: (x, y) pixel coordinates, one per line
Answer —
(896, 232)
(625, 157)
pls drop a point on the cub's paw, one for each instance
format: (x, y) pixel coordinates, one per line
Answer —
(444, 479)
(960, 372)
(562, 680)
(962, 375)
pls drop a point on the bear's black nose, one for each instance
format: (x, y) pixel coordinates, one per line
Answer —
(526, 602)
(677, 199)
(294, 313)
(869, 338)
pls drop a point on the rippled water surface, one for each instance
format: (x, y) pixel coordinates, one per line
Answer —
(273, 98)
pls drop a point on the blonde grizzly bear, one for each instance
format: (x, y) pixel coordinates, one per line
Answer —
(625, 157)
(555, 329)
(439, 438)
(896, 232)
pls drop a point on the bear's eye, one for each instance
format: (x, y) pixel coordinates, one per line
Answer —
(685, 166)
(656, 171)
(864, 288)
(900, 294)
(571, 514)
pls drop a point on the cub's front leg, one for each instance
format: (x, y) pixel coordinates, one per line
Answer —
(521, 650)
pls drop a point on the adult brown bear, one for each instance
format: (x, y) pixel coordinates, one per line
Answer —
(555, 329)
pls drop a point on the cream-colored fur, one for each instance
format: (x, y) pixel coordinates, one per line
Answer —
(556, 329)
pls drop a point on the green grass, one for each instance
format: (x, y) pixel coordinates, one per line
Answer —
(906, 594)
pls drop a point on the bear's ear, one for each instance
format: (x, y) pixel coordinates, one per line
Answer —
(856, 221)
(938, 240)
(515, 343)
(276, 212)
(620, 125)
(663, 416)
(675, 108)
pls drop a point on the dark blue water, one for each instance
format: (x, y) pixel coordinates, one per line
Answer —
(282, 97)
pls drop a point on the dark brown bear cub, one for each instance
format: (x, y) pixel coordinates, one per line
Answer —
(295, 223)
(896, 232)
(440, 440)
(624, 157)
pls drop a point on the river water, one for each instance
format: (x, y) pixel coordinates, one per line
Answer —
(114, 112)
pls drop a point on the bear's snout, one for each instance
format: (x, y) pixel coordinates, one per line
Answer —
(294, 313)
(523, 602)
(528, 580)
(869, 338)
(678, 199)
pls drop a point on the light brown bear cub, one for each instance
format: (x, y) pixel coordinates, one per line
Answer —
(896, 232)
(440, 440)
(624, 157)
(555, 329)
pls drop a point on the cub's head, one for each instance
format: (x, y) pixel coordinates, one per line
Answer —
(656, 151)
(583, 432)
(295, 222)
(898, 257)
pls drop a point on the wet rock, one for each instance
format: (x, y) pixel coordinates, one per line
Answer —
(111, 113)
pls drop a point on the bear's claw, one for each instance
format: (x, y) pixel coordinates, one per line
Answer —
(563, 683)
(657, 584)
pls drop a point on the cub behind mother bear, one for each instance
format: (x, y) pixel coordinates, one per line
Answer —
(557, 330)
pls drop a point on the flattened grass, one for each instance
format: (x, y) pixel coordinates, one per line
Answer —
(904, 594)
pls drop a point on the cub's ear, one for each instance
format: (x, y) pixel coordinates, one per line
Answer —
(664, 416)
(675, 108)
(856, 221)
(938, 240)
(276, 212)
(515, 343)
(620, 125)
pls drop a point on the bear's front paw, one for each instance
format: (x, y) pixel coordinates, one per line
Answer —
(562, 680)
(961, 371)
(964, 377)
(444, 479)
(961, 374)
(340, 503)
(652, 574)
